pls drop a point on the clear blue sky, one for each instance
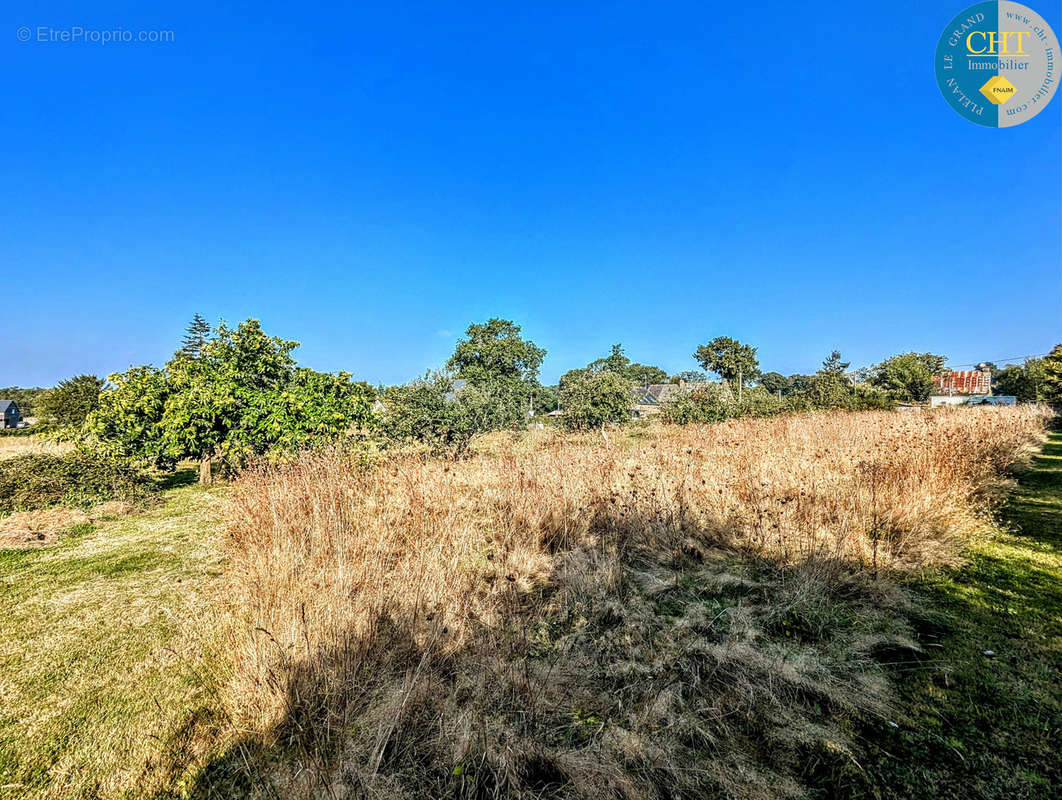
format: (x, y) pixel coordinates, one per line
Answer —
(368, 180)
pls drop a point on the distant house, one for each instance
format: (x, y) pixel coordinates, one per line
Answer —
(961, 387)
(649, 398)
(9, 414)
(963, 382)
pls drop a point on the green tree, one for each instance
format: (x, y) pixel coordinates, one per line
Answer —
(1050, 378)
(829, 389)
(592, 399)
(495, 351)
(646, 374)
(1024, 382)
(25, 399)
(830, 386)
(544, 399)
(775, 383)
(834, 364)
(69, 404)
(242, 396)
(731, 360)
(799, 383)
(195, 338)
(908, 377)
(128, 421)
(866, 396)
(429, 411)
(311, 406)
(570, 376)
(497, 360)
(616, 361)
(689, 376)
(758, 402)
(214, 398)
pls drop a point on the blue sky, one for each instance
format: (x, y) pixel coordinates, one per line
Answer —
(370, 179)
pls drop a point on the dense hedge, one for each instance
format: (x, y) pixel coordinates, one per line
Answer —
(79, 478)
(19, 431)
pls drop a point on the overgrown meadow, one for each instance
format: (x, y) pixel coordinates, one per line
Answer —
(682, 612)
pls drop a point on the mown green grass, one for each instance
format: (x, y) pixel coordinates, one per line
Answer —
(976, 725)
(107, 649)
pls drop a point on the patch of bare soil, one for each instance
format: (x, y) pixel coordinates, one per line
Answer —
(31, 529)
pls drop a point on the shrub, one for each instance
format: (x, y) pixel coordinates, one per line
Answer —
(868, 398)
(431, 412)
(703, 404)
(714, 403)
(592, 399)
(82, 477)
(908, 377)
(19, 431)
(758, 402)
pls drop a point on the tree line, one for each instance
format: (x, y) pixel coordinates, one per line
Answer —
(232, 394)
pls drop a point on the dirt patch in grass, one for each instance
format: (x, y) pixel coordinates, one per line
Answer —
(33, 529)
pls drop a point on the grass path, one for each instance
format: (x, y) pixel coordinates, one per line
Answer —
(988, 726)
(100, 651)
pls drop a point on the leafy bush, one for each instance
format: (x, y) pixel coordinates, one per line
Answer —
(79, 478)
(591, 399)
(758, 402)
(704, 404)
(18, 431)
(867, 398)
(431, 411)
(908, 377)
(715, 402)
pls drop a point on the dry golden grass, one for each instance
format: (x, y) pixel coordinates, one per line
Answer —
(29, 529)
(13, 446)
(689, 609)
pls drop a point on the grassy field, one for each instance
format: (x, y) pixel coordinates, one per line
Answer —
(722, 665)
(107, 652)
(702, 611)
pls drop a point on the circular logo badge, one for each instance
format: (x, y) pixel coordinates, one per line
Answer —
(998, 64)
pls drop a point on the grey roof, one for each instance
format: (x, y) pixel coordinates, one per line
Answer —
(656, 393)
(5, 405)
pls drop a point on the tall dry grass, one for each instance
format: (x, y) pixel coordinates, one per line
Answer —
(595, 617)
